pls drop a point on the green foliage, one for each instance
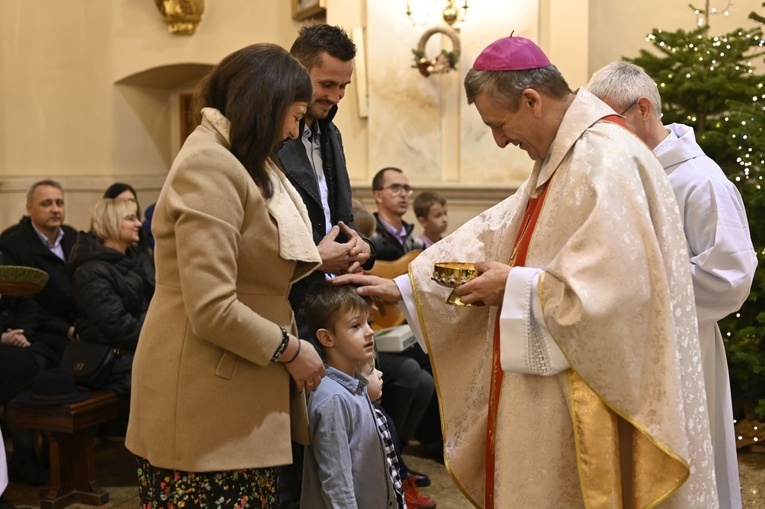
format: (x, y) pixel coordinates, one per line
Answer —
(699, 75)
(757, 17)
(451, 57)
(711, 83)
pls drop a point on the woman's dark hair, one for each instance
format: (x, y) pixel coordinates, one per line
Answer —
(117, 189)
(254, 89)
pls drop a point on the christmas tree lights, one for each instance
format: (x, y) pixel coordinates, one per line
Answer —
(712, 82)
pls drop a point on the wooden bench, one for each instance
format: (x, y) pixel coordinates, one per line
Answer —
(70, 429)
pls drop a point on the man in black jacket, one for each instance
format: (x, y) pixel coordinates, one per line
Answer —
(315, 163)
(44, 242)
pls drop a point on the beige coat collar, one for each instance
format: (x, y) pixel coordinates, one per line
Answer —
(295, 238)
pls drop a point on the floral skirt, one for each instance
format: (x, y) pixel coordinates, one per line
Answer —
(253, 488)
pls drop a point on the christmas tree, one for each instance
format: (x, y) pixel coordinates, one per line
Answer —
(711, 83)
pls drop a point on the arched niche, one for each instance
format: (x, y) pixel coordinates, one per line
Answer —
(148, 117)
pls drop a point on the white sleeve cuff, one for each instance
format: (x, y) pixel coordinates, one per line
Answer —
(526, 345)
(409, 308)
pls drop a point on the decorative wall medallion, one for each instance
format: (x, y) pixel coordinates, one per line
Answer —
(181, 16)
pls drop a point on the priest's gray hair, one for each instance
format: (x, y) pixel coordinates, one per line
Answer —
(505, 87)
(623, 83)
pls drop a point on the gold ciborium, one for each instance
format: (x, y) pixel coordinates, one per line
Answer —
(452, 275)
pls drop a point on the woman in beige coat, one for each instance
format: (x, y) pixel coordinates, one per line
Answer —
(218, 376)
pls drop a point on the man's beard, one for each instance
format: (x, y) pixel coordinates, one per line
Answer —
(318, 112)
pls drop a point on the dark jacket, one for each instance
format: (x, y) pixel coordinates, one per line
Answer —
(110, 292)
(18, 366)
(24, 220)
(387, 247)
(299, 171)
(18, 313)
(56, 305)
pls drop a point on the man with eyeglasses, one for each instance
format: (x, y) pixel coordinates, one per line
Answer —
(393, 237)
(722, 257)
(410, 391)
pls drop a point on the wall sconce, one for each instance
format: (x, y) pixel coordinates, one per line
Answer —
(451, 13)
(181, 16)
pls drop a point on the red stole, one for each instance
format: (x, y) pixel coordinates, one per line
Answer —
(520, 247)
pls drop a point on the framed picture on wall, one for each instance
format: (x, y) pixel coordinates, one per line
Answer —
(188, 120)
(304, 9)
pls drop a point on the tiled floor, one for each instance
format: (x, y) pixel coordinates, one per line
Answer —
(116, 473)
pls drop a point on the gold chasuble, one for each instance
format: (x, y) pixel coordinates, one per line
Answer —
(626, 425)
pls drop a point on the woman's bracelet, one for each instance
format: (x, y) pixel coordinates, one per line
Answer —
(296, 353)
(282, 345)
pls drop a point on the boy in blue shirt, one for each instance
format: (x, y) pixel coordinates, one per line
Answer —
(345, 466)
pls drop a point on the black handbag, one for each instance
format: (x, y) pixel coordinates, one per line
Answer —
(91, 363)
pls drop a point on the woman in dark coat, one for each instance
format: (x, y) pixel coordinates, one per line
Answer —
(122, 191)
(110, 285)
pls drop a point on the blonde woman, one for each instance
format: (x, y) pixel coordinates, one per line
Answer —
(109, 285)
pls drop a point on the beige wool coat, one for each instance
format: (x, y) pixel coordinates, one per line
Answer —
(205, 395)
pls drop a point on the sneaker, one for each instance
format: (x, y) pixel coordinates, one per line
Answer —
(414, 498)
(420, 479)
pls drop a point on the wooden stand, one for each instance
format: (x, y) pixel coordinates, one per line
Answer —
(70, 430)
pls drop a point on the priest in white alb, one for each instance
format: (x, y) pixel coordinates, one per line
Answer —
(723, 260)
(578, 383)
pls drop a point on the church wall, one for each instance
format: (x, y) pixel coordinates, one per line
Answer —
(618, 29)
(63, 113)
(90, 89)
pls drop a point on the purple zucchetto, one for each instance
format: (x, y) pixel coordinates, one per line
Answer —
(511, 54)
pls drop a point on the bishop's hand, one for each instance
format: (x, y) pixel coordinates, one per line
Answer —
(487, 287)
(371, 286)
